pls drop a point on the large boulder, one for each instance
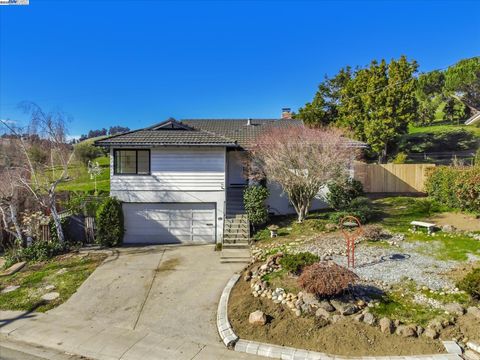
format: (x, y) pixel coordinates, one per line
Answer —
(257, 318)
(325, 305)
(322, 313)
(407, 331)
(345, 308)
(386, 325)
(431, 333)
(369, 319)
(475, 311)
(454, 308)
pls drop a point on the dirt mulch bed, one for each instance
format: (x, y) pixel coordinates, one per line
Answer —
(347, 337)
(467, 326)
(463, 222)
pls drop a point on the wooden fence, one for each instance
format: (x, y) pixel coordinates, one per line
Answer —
(392, 178)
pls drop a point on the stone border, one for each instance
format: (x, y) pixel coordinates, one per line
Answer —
(232, 341)
(225, 330)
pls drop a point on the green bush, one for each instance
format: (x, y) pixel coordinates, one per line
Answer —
(455, 187)
(341, 194)
(110, 223)
(294, 263)
(400, 158)
(360, 207)
(82, 203)
(38, 251)
(471, 283)
(85, 152)
(254, 200)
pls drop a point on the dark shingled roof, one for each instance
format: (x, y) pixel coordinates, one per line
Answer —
(215, 132)
(237, 129)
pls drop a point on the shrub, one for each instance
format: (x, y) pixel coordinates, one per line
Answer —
(400, 158)
(326, 279)
(38, 251)
(254, 199)
(85, 151)
(360, 207)
(341, 194)
(455, 187)
(294, 263)
(110, 223)
(373, 233)
(471, 283)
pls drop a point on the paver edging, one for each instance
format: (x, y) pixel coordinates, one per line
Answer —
(232, 341)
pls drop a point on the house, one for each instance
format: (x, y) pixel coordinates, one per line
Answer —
(182, 181)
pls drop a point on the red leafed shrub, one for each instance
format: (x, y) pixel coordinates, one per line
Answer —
(326, 279)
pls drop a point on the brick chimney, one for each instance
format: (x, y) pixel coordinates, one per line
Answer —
(286, 113)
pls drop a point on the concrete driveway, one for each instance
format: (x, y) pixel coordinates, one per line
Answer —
(155, 302)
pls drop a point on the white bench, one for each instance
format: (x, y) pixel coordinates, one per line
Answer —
(429, 226)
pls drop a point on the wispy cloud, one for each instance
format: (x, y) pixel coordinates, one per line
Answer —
(8, 121)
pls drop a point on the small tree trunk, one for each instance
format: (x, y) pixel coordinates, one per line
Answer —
(57, 222)
(13, 216)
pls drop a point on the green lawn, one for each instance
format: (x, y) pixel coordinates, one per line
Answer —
(65, 272)
(398, 212)
(81, 178)
(439, 127)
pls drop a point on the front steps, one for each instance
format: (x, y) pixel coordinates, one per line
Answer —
(236, 232)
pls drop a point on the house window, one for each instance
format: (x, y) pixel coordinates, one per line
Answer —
(134, 162)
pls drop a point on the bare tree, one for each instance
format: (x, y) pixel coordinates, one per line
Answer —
(41, 174)
(302, 161)
(9, 195)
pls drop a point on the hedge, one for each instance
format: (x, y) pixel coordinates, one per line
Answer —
(455, 187)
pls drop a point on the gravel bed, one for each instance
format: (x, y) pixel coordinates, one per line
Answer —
(386, 266)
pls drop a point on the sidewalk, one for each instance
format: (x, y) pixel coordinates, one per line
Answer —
(97, 341)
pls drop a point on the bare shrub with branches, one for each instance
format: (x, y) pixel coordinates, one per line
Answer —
(9, 202)
(326, 279)
(45, 158)
(302, 160)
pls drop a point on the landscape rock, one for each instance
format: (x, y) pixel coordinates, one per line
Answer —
(474, 311)
(10, 288)
(257, 318)
(50, 287)
(455, 308)
(358, 317)
(406, 331)
(310, 300)
(50, 296)
(344, 308)
(449, 228)
(431, 333)
(436, 325)
(369, 318)
(14, 268)
(322, 313)
(386, 325)
(420, 330)
(326, 306)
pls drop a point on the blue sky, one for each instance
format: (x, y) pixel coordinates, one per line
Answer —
(134, 63)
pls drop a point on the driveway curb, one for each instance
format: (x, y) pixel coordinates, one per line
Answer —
(232, 341)
(224, 328)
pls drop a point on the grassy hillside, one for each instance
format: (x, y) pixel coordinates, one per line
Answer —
(81, 178)
(439, 127)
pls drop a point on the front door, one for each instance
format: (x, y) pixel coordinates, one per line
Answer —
(236, 168)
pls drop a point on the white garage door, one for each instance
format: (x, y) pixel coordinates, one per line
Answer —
(164, 223)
